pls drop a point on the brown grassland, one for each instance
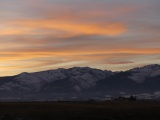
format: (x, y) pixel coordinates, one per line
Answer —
(110, 110)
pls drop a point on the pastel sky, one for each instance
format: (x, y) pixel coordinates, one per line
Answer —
(38, 35)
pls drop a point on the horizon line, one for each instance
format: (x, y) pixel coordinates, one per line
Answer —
(81, 67)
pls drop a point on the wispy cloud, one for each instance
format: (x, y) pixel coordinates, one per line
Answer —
(44, 34)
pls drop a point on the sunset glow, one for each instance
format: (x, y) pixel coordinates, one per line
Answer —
(106, 34)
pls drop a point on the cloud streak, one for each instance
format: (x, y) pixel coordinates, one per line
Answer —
(44, 34)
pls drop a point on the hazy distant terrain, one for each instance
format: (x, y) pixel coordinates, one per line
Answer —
(81, 83)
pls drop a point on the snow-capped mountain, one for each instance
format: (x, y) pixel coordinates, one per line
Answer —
(141, 74)
(82, 78)
(56, 81)
(80, 82)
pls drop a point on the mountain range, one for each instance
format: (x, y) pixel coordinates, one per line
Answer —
(81, 83)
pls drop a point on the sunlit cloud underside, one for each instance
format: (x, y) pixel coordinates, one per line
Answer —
(106, 34)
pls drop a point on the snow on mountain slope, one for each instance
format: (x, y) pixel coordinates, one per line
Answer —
(41, 77)
(83, 77)
(86, 77)
(80, 82)
(140, 74)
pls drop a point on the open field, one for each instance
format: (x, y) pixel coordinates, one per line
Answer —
(139, 110)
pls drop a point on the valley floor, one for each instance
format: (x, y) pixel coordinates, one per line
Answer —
(117, 110)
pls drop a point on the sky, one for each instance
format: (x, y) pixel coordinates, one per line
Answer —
(117, 35)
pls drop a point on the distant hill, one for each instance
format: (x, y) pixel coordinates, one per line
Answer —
(81, 83)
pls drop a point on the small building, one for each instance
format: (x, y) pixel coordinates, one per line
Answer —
(131, 98)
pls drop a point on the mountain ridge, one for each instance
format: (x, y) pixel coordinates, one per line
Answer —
(81, 82)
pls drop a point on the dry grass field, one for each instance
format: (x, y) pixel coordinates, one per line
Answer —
(138, 110)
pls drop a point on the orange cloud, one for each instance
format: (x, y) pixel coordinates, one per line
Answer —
(32, 27)
(72, 53)
(121, 62)
(44, 35)
(75, 50)
(30, 61)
